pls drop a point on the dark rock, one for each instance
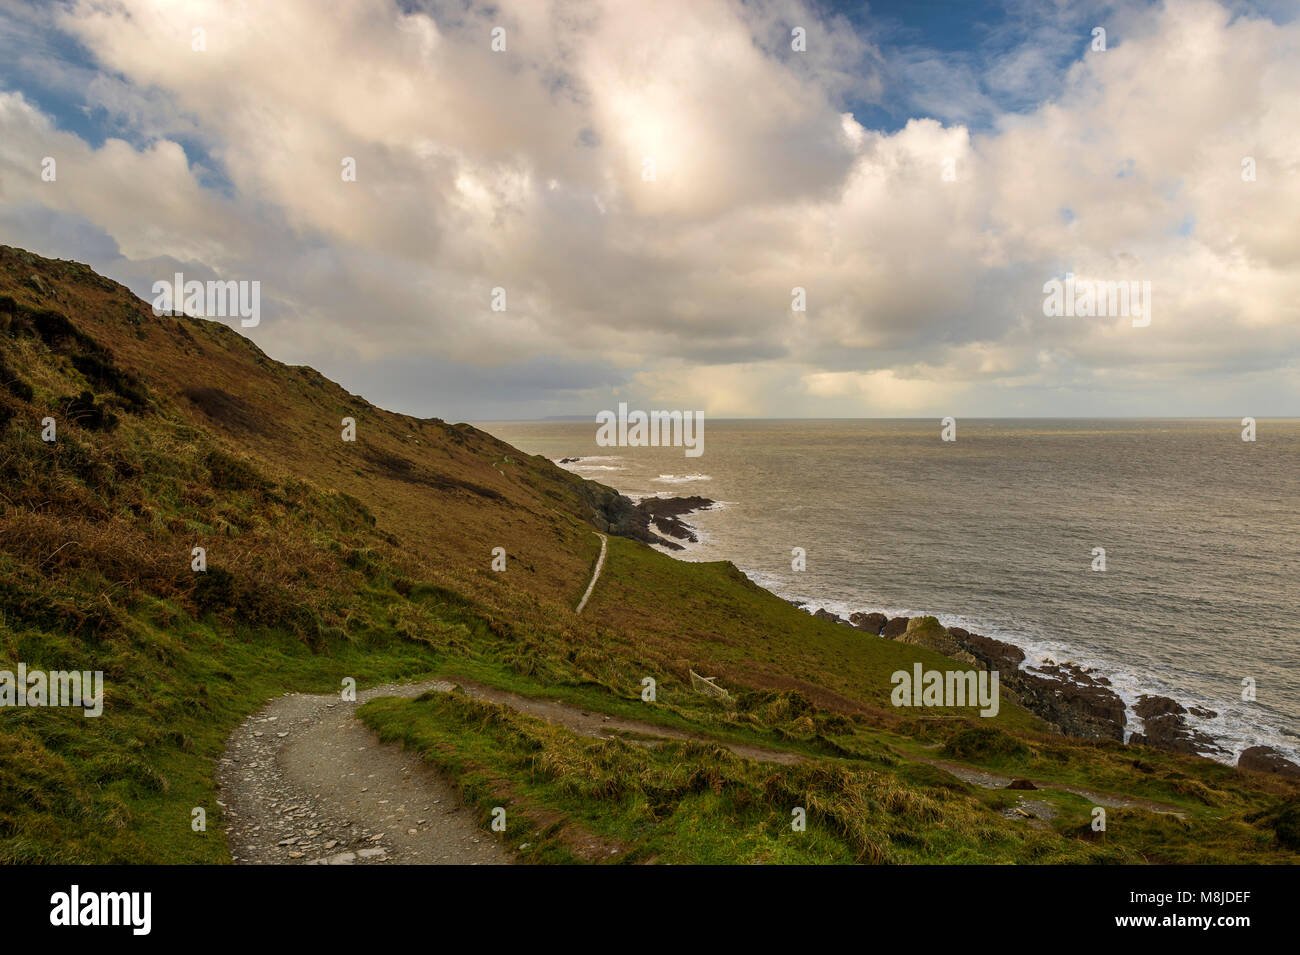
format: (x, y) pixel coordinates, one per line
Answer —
(616, 513)
(1169, 731)
(870, 622)
(1265, 759)
(1165, 727)
(1202, 712)
(1063, 694)
(1084, 710)
(1021, 784)
(1149, 706)
(664, 513)
(994, 654)
(897, 626)
(569, 460)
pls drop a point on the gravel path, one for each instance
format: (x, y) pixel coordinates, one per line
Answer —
(304, 781)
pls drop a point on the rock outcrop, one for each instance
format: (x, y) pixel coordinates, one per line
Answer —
(894, 628)
(1069, 697)
(930, 633)
(1265, 759)
(1075, 700)
(994, 654)
(1085, 709)
(869, 622)
(639, 521)
(1165, 727)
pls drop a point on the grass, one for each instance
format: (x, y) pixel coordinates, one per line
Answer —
(371, 560)
(121, 787)
(694, 802)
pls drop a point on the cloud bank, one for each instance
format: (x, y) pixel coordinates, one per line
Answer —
(648, 184)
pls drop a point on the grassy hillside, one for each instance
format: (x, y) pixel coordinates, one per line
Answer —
(372, 559)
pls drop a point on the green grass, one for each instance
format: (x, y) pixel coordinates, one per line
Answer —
(328, 561)
(696, 802)
(120, 787)
(689, 802)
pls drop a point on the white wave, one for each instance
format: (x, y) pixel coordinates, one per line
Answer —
(1236, 726)
(681, 478)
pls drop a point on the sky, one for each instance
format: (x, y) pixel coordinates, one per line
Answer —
(647, 184)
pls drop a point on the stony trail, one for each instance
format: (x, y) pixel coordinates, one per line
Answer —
(304, 781)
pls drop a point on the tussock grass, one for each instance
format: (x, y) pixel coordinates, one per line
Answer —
(698, 802)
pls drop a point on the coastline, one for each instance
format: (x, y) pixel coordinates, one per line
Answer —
(1080, 699)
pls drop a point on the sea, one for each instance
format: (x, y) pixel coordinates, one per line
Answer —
(1000, 531)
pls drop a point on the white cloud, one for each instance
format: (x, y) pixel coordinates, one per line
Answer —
(523, 170)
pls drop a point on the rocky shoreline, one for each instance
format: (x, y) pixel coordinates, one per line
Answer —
(652, 520)
(1076, 701)
(1073, 699)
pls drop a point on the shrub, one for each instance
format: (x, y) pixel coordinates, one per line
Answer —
(985, 743)
(229, 473)
(215, 589)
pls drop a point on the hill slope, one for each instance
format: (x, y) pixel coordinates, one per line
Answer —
(371, 559)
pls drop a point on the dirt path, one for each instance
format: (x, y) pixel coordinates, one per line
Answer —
(600, 563)
(601, 726)
(989, 780)
(303, 781)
